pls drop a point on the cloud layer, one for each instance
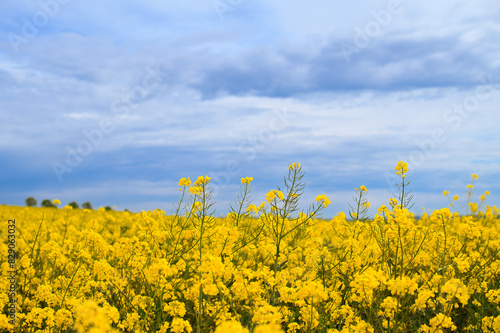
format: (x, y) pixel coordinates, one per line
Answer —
(113, 104)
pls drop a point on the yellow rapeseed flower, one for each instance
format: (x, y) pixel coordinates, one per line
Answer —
(402, 286)
(202, 180)
(252, 208)
(382, 209)
(180, 325)
(269, 328)
(474, 176)
(422, 301)
(185, 182)
(455, 289)
(393, 202)
(401, 168)
(231, 326)
(196, 190)
(325, 199)
(390, 305)
(175, 308)
(56, 202)
(363, 286)
(280, 195)
(246, 180)
(271, 195)
(63, 319)
(441, 321)
(363, 188)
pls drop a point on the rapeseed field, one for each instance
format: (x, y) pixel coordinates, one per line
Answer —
(266, 267)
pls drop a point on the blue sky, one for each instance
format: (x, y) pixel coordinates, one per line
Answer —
(113, 102)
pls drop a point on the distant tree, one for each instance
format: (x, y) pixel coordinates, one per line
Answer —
(74, 205)
(87, 205)
(31, 202)
(108, 208)
(47, 203)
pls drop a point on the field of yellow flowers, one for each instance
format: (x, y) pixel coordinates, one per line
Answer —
(263, 268)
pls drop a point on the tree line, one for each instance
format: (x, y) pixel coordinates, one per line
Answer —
(32, 202)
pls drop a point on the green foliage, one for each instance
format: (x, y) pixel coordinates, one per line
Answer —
(87, 205)
(74, 205)
(31, 202)
(47, 203)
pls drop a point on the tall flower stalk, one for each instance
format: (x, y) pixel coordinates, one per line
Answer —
(405, 197)
(360, 209)
(279, 221)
